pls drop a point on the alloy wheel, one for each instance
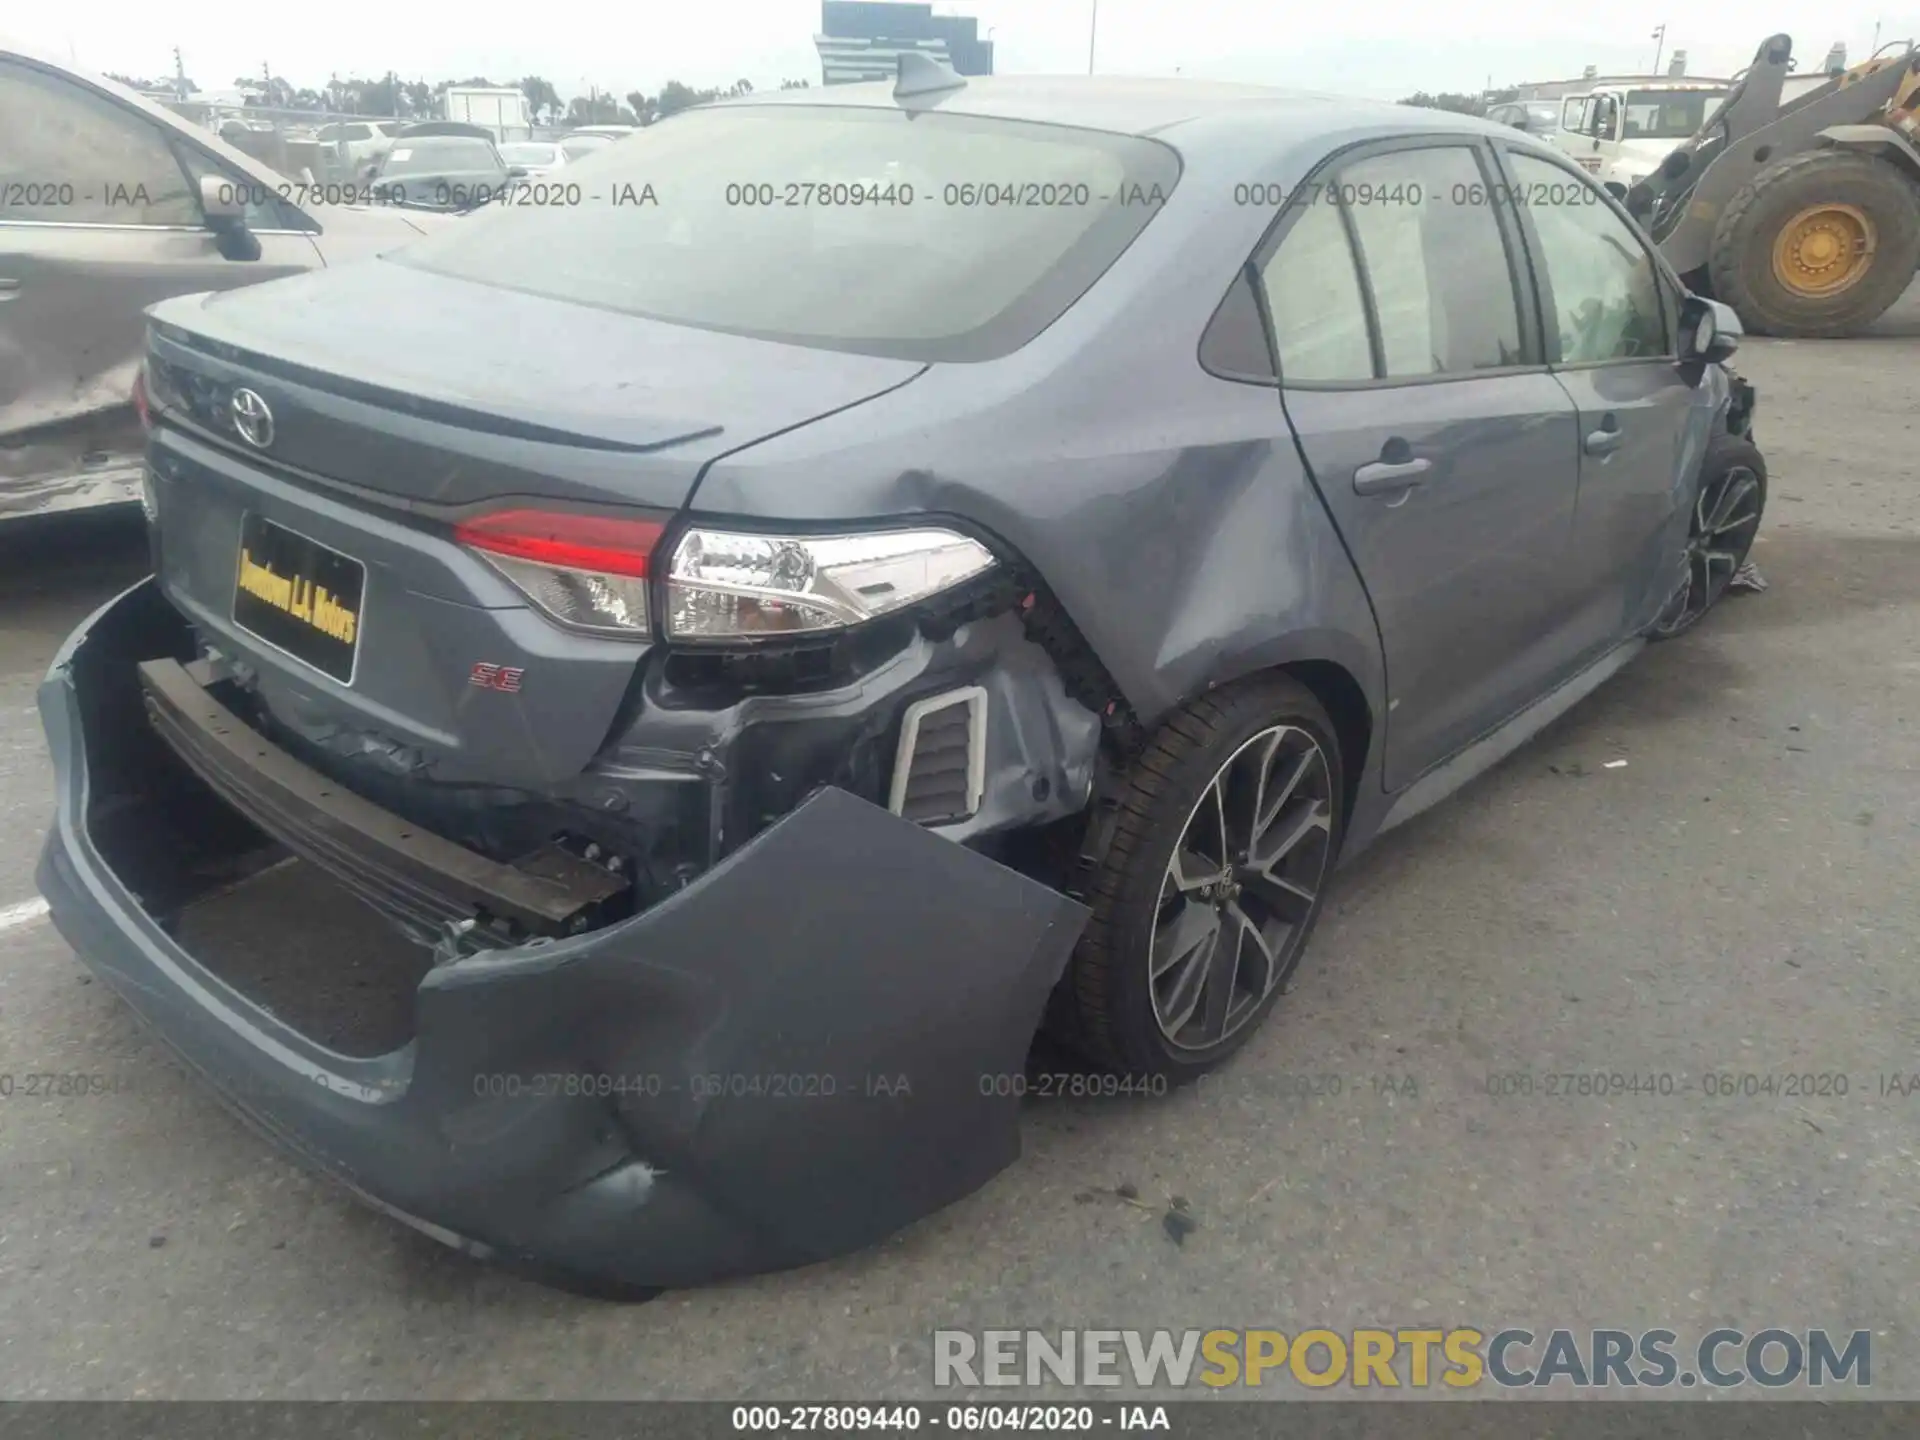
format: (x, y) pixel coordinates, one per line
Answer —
(1720, 533)
(1241, 887)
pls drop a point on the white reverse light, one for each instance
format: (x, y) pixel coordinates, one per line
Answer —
(724, 585)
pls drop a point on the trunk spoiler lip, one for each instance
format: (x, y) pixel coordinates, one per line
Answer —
(617, 434)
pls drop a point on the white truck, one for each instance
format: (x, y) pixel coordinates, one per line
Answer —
(500, 109)
(1621, 133)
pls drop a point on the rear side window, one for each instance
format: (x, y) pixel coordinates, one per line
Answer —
(1313, 297)
(68, 154)
(923, 235)
(1435, 261)
(1432, 293)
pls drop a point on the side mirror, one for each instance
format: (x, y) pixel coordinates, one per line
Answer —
(1709, 331)
(221, 199)
(223, 204)
(516, 172)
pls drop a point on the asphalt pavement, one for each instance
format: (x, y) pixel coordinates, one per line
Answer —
(1738, 898)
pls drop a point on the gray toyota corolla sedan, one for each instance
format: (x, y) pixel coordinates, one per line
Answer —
(889, 568)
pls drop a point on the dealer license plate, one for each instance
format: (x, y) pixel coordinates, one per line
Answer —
(299, 596)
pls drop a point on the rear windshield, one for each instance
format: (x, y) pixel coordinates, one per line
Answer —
(925, 236)
(1668, 114)
(440, 155)
(525, 153)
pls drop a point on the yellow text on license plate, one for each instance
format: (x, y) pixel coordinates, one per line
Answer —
(303, 599)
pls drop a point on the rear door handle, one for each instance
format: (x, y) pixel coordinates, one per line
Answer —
(1385, 475)
(1606, 439)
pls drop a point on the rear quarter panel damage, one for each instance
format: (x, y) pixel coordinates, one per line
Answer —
(1165, 508)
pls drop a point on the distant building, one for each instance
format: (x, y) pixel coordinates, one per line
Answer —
(863, 40)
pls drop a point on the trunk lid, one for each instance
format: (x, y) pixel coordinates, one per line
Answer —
(481, 392)
(384, 432)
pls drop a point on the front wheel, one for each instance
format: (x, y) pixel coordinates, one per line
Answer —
(1726, 516)
(1202, 905)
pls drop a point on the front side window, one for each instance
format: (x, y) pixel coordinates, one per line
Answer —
(1573, 114)
(264, 210)
(69, 155)
(1603, 116)
(1313, 299)
(1606, 298)
(1435, 261)
(917, 234)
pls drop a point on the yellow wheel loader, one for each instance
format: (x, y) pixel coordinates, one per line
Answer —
(1803, 216)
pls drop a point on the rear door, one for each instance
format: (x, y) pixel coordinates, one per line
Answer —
(1611, 340)
(98, 219)
(1445, 451)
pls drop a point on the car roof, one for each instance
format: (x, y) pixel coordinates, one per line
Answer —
(206, 139)
(1139, 105)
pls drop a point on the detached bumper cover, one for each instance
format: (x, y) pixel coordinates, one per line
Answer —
(787, 1060)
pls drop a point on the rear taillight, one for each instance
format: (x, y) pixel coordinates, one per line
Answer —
(140, 405)
(588, 572)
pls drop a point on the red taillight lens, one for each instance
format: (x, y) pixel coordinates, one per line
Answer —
(598, 543)
(588, 572)
(140, 405)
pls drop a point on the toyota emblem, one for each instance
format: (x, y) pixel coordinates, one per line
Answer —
(252, 418)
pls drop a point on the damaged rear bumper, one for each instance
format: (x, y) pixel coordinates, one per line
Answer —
(790, 1058)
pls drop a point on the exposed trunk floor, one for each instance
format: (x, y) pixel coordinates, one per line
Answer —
(296, 943)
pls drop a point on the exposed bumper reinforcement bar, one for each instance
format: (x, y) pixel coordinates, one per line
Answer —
(392, 864)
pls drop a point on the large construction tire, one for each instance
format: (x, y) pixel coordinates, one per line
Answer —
(1817, 245)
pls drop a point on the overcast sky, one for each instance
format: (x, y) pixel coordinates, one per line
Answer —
(1383, 48)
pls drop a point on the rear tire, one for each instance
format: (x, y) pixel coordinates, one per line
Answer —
(1780, 287)
(1262, 750)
